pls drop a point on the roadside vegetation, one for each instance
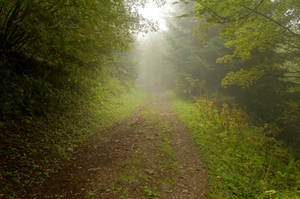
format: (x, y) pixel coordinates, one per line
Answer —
(69, 69)
(32, 156)
(243, 160)
(66, 73)
(235, 67)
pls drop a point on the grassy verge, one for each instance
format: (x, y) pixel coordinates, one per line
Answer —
(34, 147)
(243, 161)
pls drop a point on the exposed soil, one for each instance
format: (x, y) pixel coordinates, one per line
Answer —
(149, 155)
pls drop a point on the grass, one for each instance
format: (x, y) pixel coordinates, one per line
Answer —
(141, 174)
(164, 130)
(46, 142)
(170, 159)
(243, 161)
(119, 107)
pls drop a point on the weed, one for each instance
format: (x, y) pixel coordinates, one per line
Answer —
(128, 179)
(150, 193)
(243, 161)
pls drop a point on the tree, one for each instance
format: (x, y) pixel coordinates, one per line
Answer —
(194, 61)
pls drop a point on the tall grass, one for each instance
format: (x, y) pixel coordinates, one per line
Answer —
(243, 161)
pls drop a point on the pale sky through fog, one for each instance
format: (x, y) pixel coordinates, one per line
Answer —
(156, 14)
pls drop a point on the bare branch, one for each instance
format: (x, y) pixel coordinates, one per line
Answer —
(272, 20)
(252, 11)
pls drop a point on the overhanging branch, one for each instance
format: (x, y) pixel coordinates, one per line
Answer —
(272, 20)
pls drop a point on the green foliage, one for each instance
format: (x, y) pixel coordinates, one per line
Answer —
(63, 76)
(252, 25)
(193, 62)
(186, 84)
(241, 54)
(253, 29)
(35, 153)
(243, 161)
(150, 193)
(67, 31)
(243, 78)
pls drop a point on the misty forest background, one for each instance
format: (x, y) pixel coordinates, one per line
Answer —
(231, 68)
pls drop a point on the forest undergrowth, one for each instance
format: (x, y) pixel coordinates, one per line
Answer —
(65, 73)
(67, 70)
(243, 161)
(36, 141)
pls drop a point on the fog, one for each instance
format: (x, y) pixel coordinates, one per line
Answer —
(196, 58)
(91, 91)
(154, 69)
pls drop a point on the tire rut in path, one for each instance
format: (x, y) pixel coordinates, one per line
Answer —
(134, 159)
(192, 180)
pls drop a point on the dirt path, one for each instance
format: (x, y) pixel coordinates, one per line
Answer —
(149, 155)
